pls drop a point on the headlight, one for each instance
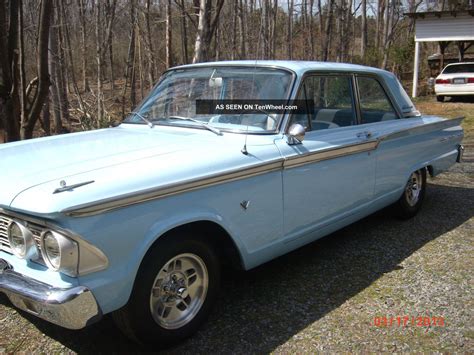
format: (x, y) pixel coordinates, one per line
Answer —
(21, 241)
(60, 253)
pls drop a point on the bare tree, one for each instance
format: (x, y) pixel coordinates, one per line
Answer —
(328, 31)
(30, 119)
(289, 37)
(53, 70)
(184, 34)
(242, 27)
(82, 20)
(363, 33)
(98, 35)
(169, 38)
(130, 68)
(206, 27)
(9, 100)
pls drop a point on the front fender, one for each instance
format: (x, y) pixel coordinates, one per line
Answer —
(128, 252)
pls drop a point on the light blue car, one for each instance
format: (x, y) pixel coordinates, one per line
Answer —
(140, 219)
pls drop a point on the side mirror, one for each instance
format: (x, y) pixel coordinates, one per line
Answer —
(295, 134)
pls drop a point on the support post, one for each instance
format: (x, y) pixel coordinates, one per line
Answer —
(415, 69)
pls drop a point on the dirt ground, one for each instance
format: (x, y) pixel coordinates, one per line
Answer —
(331, 295)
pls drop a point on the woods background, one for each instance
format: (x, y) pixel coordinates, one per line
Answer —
(81, 64)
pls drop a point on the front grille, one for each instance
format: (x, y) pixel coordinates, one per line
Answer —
(35, 229)
(4, 243)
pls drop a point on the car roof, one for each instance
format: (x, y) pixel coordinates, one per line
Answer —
(459, 63)
(297, 66)
(301, 67)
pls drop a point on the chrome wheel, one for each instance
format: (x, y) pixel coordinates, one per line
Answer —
(413, 188)
(179, 291)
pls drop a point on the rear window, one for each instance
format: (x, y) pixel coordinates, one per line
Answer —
(459, 68)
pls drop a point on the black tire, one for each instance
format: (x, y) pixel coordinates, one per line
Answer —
(407, 207)
(440, 98)
(136, 320)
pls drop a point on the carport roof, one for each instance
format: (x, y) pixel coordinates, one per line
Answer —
(440, 26)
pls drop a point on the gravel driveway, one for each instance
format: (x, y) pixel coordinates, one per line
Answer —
(326, 295)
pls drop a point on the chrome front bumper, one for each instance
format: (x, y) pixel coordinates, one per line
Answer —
(71, 308)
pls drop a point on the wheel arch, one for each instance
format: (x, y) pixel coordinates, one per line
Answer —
(209, 232)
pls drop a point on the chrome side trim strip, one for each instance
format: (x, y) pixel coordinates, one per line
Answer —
(330, 153)
(171, 189)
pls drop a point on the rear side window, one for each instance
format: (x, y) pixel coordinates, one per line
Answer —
(459, 68)
(333, 102)
(375, 106)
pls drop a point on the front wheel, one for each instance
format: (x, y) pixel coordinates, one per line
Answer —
(412, 198)
(173, 294)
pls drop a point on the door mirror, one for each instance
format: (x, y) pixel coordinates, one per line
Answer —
(295, 134)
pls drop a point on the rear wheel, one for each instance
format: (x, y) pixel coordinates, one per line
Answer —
(173, 294)
(440, 98)
(412, 198)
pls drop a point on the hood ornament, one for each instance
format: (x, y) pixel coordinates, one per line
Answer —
(65, 187)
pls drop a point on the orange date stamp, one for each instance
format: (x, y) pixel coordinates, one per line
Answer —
(408, 321)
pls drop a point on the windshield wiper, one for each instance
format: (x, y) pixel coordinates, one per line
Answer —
(202, 124)
(146, 120)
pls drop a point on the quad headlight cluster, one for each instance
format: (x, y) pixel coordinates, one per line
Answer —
(59, 252)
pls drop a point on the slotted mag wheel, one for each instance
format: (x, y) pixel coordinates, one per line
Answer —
(179, 291)
(413, 188)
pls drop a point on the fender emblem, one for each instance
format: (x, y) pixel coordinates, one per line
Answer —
(245, 204)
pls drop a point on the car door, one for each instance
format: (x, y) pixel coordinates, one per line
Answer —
(398, 150)
(330, 175)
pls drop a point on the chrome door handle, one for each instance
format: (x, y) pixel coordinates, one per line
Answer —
(365, 134)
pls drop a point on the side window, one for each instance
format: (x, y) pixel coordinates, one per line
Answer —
(374, 103)
(332, 102)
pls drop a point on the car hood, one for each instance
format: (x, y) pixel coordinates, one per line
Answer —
(112, 162)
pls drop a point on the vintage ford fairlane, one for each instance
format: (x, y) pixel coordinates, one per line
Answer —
(138, 220)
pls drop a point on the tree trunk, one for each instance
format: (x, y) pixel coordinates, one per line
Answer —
(363, 35)
(274, 25)
(62, 69)
(328, 31)
(169, 38)
(21, 72)
(26, 130)
(150, 53)
(131, 55)
(98, 34)
(82, 21)
(201, 47)
(311, 29)
(110, 19)
(184, 35)
(46, 118)
(289, 37)
(206, 28)
(242, 28)
(9, 101)
(233, 53)
(53, 70)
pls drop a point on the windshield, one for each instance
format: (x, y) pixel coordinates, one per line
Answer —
(173, 100)
(459, 68)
